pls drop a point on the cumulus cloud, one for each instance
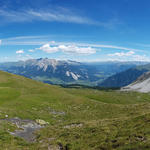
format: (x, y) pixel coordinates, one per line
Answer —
(122, 54)
(0, 42)
(67, 49)
(48, 49)
(20, 51)
(76, 49)
(129, 56)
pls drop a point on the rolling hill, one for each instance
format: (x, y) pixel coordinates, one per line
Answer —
(64, 118)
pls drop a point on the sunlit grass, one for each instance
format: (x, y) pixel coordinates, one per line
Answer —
(110, 120)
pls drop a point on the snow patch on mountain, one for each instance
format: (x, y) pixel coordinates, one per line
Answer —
(73, 75)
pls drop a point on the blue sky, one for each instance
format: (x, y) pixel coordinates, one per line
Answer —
(82, 30)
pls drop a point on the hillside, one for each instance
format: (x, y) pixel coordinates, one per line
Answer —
(70, 118)
(126, 77)
(66, 72)
(142, 84)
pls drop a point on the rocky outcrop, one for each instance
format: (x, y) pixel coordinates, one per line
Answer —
(142, 84)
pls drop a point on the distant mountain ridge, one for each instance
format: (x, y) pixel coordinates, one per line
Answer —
(47, 68)
(126, 77)
(66, 71)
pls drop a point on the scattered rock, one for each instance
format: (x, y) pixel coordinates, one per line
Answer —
(51, 139)
(34, 108)
(140, 138)
(41, 122)
(56, 112)
(26, 128)
(73, 126)
(52, 147)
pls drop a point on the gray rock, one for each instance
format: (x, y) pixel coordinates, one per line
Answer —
(26, 128)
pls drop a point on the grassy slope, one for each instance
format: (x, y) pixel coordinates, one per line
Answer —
(111, 120)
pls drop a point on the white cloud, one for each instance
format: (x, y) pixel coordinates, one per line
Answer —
(31, 50)
(67, 49)
(76, 49)
(122, 54)
(20, 51)
(0, 42)
(129, 56)
(48, 49)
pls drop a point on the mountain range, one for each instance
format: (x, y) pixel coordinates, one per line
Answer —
(68, 72)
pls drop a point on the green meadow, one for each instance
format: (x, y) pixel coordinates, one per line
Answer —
(78, 119)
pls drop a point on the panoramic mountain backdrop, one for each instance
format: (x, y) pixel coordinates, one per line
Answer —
(69, 72)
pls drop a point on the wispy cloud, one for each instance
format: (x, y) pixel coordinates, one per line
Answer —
(26, 40)
(27, 37)
(42, 40)
(115, 47)
(52, 14)
(49, 15)
(122, 54)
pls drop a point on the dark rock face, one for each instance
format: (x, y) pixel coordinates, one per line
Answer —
(143, 77)
(123, 78)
